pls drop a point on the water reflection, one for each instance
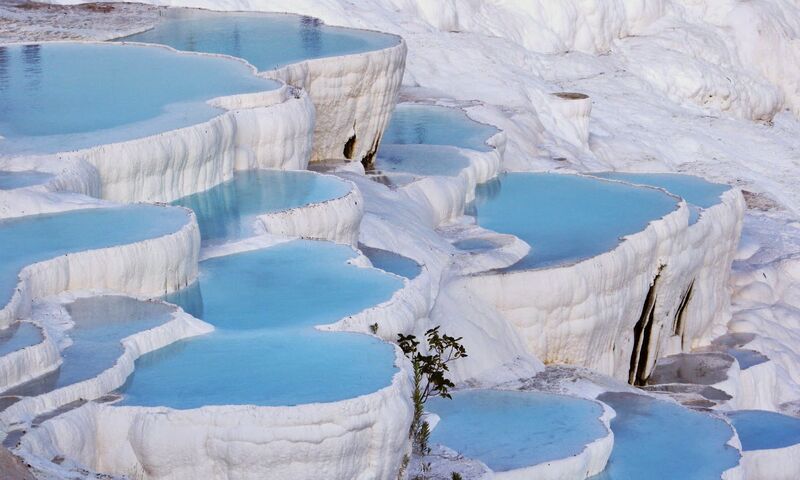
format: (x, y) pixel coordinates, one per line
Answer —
(32, 57)
(310, 35)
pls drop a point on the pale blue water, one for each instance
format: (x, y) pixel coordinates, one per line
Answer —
(12, 180)
(423, 160)
(31, 239)
(698, 192)
(265, 351)
(391, 262)
(747, 358)
(510, 430)
(267, 41)
(566, 218)
(656, 440)
(66, 96)
(433, 125)
(762, 430)
(100, 325)
(474, 244)
(229, 210)
(18, 336)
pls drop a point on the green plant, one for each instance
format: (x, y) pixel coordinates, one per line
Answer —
(374, 328)
(430, 378)
(456, 476)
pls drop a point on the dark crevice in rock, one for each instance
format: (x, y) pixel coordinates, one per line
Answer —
(679, 325)
(350, 147)
(642, 334)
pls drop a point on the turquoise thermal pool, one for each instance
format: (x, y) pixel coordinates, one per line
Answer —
(56, 97)
(420, 160)
(229, 210)
(265, 350)
(508, 430)
(763, 430)
(413, 124)
(391, 262)
(698, 192)
(35, 238)
(660, 440)
(12, 180)
(101, 323)
(267, 41)
(18, 336)
(566, 218)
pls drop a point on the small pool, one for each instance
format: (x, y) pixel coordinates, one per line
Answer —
(420, 160)
(56, 97)
(698, 192)
(12, 180)
(509, 430)
(229, 210)
(101, 323)
(18, 336)
(265, 349)
(763, 430)
(747, 358)
(31, 239)
(566, 218)
(435, 125)
(474, 245)
(659, 440)
(392, 262)
(265, 40)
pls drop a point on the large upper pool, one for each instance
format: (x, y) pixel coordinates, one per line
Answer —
(658, 440)
(265, 40)
(100, 324)
(229, 210)
(566, 218)
(57, 97)
(698, 192)
(434, 125)
(265, 349)
(762, 430)
(510, 430)
(35, 238)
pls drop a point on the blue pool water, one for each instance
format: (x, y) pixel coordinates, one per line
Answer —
(433, 125)
(229, 210)
(566, 218)
(658, 440)
(64, 96)
(391, 262)
(747, 358)
(18, 336)
(510, 430)
(474, 245)
(265, 351)
(31, 239)
(698, 192)
(422, 160)
(12, 180)
(267, 41)
(100, 325)
(762, 430)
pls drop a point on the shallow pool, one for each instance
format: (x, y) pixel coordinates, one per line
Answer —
(229, 210)
(566, 218)
(391, 262)
(659, 440)
(420, 160)
(100, 324)
(12, 180)
(265, 40)
(435, 125)
(265, 351)
(18, 336)
(763, 430)
(698, 192)
(57, 97)
(747, 358)
(35, 238)
(508, 430)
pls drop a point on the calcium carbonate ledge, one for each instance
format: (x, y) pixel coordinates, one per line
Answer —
(354, 96)
(336, 220)
(268, 129)
(180, 326)
(30, 362)
(584, 313)
(152, 267)
(369, 433)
